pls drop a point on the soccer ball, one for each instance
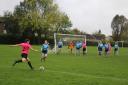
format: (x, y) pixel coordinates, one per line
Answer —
(41, 68)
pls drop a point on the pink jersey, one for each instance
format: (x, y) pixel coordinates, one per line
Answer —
(84, 45)
(25, 47)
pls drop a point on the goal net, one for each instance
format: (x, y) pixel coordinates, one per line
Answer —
(66, 39)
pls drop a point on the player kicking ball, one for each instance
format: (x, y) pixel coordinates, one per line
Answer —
(44, 51)
(24, 53)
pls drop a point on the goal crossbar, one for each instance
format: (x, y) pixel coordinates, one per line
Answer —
(72, 35)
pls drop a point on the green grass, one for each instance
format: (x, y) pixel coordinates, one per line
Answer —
(64, 69)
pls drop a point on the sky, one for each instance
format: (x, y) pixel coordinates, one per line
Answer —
(86, 15)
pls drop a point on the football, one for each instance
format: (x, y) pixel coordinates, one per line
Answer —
(41, 68)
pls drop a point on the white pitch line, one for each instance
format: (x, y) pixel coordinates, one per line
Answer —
(87, 75)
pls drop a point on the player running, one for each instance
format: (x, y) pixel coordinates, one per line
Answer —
(24, 53)
(44, 50)
(100, 47)
(116, 49)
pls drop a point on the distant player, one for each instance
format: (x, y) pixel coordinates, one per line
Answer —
(71, 46)
(24, 53)
(106, 46)
(100, 47)
(116, 49)
(84, 46)
(109, 48)
(78, 46)
(60, 45)
(44, 50)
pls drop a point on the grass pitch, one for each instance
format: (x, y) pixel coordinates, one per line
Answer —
(64, 69)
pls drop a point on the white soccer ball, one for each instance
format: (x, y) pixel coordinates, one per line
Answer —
(41, 68)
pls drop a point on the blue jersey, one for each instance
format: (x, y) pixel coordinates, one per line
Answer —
(44, 47)
(106, 46)
(60, 44)
(78, 45)
(100, 45)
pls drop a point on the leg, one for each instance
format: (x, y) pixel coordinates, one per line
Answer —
(79, 51)
(98, 52)
(45, 56)
(29, 63)
(42, 56)
(83, 51)
(17, 61)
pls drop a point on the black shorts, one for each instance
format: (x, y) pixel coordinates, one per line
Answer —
(99, 49)
(116, 49)
(84, 49)
(45, 51)
(60, 46)
(78, 48)
(23, 55)
(106, 50)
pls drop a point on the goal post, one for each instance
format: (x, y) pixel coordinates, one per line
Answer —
(122, 43)
(66, 35)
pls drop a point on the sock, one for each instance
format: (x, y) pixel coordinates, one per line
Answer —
(29, 63)
(18, 61)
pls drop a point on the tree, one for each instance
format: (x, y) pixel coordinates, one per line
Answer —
(41, 16)
(124, 35)
(99, 32)
(119, 27)
(11, 23)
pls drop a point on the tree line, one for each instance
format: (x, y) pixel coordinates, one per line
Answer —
(41, 18)
(119, 27)
(36, 18)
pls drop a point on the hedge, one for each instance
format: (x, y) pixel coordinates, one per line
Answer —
(14, 39)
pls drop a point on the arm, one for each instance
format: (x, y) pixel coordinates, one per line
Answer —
(33, 49)
(14, 45)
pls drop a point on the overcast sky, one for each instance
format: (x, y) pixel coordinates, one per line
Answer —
(87, 15)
